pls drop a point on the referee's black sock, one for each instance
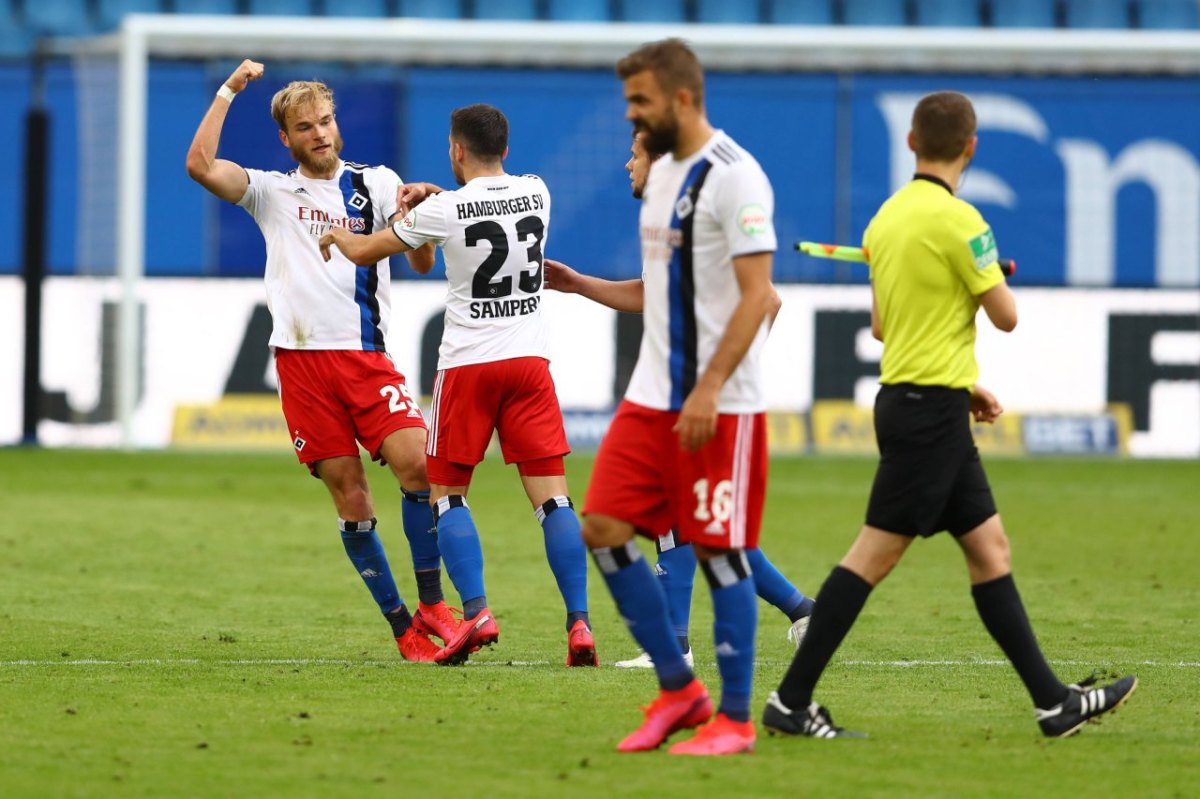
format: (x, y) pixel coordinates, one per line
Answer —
(1003, 614)
(837, 606)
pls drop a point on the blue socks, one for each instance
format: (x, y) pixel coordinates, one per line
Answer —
(566, 554)
(735, 621)
(643, 607)
(458, 541)
(421, 532)
(420, 529)
(775, 588)
(366, 553)
(676, 571)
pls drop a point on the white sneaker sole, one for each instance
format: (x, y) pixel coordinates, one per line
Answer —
(643, 661)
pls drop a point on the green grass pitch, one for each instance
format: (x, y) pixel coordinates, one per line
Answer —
(178, 624)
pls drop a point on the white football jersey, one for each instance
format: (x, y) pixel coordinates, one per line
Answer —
(492, 232)
(317, 305)
(696, 216)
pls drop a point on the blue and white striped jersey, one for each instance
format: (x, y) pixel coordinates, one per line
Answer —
(697, 215)
(317, 305)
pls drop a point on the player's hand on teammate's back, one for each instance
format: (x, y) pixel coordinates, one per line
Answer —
(984, 405)
(247, 71)
(560, 277)
(697, 422)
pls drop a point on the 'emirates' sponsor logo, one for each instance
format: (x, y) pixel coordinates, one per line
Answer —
(316, 217)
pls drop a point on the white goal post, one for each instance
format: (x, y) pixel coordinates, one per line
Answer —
(552, 44)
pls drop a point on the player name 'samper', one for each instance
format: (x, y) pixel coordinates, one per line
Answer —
(497, 309)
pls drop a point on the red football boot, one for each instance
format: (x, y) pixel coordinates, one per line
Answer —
(416, 646)
(471, 636)
(437, 619)
(721, 736)
(672, 711)
(581, 647)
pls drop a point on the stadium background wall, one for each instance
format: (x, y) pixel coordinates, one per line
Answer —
(1087, 181)
(1086, 372)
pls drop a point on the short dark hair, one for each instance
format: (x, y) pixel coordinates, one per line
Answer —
(942, 124)
(673, 63)
(482, 129)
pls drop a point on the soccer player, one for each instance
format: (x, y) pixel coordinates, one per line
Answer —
(933, 265)
(676, 562)
(337, 384)
(493, 366)
(686, 450)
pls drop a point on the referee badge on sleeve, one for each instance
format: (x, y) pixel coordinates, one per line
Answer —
(983, 248)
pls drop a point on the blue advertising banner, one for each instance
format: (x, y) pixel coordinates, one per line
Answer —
(1086, 181)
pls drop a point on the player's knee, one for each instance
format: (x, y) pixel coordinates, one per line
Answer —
(591, 533)
(999, 555)
(987, 548)
(409, 470)
(356, 507)
(353, 499)
(601, 531)
(872, 571)
(404, 451)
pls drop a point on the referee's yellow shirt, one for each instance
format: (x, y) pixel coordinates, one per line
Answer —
(931, 256)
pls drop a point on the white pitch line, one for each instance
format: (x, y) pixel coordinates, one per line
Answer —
(259, 662)
(887, 664)
(905, 664)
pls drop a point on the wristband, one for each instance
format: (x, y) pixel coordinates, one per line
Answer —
(225, 93)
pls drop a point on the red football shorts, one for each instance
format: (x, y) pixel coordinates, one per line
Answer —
(712, 497)
(335, 398)
(514, 398)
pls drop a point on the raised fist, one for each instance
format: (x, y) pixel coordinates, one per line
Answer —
(247, 71)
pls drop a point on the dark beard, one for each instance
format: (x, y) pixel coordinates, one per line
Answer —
(660, 140)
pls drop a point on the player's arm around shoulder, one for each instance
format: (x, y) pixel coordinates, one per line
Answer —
(397, 197)
(225, 179)
(410, 195)
(362, 250)
(398, 237)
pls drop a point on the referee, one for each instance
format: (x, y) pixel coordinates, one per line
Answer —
(933, 264)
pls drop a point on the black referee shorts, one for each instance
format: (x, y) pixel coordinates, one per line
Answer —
(929, 477)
